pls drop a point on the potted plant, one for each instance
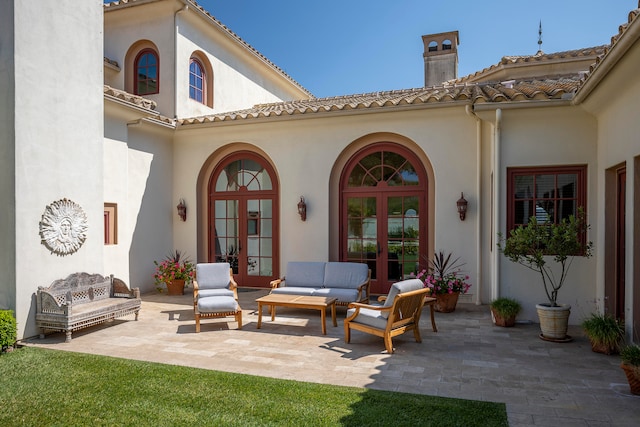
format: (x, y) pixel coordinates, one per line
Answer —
(444, 278)
(604, 332)
(504, 311)
(549, 248)
(631, 366)
(175, 272)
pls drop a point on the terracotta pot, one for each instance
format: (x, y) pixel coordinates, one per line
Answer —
(633, 376)
(500, 320)
(554, 322)
(446, 303)
(603, 348)
(175, 287)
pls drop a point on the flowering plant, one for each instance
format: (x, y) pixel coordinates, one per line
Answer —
(174, 267)
(444, 276)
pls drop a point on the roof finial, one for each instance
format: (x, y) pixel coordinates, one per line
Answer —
(540, 37)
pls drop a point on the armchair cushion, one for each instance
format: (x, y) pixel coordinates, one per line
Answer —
(367, 316)
(219, 304)
(204, 293)
(213, 275)
(400, 288)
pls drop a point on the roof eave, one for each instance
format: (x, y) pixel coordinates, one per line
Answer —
(610, 59)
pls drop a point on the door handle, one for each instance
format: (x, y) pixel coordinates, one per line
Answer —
(379, 248)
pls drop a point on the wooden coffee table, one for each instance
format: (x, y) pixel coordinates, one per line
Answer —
(298, 301)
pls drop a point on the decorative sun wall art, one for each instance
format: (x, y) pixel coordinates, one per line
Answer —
(63, 227)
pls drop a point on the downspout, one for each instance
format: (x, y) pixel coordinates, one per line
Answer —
(495, 288)
(175, 60)
(471, 113)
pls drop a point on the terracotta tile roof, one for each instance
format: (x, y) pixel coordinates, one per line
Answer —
(472, 93)
(539, 57)
(124, 3)
(111, 63)
(136, 100)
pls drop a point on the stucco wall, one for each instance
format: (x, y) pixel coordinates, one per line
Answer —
(304, 154)
(240, 80)
(547, 137)
(58, 138)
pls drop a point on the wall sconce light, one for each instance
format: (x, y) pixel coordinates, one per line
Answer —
(462, 206)
(182, 210)
(302, 209)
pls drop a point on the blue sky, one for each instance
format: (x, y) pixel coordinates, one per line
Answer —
(340, 47)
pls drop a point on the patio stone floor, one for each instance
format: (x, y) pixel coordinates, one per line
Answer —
(542, 383)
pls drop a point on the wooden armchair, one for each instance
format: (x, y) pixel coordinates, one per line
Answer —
(215, 293)
(400, 313)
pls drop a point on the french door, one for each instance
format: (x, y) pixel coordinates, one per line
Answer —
(242, 218)
(384, 214)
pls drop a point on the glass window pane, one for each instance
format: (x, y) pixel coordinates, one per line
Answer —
(545, 186)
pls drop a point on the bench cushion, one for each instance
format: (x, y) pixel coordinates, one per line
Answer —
(305, 274)
(345, 275)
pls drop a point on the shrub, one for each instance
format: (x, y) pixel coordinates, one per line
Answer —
(631, 355)
(506, 307)
(604, 330)
(8, 330)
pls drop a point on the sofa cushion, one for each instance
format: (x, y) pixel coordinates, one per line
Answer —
(213, 275)
(400, 288)
(343, 295)
(305, 274)
(369, 317)
(345, 275)
(294, 290)
(217, 305)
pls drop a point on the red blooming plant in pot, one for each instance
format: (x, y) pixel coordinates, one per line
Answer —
(175, 272)
(445, 280)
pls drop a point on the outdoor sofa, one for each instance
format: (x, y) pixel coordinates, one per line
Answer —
(347, 281)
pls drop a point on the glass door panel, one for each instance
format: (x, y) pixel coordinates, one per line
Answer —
(403, 241)
(227, 231)
(362, 233)
(259, 245)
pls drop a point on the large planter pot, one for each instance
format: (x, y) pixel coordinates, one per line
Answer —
(598, 347)
(554, 322)
(446, 303)
(175, 287)
(505, 321)
(633, 376)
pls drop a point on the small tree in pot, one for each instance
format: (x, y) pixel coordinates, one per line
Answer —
(534, 245)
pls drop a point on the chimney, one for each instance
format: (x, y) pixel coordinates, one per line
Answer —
(440, 57)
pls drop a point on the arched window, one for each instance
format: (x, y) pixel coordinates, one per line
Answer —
(433, 46)
(446, 45)
(146, 79)
(197, 81)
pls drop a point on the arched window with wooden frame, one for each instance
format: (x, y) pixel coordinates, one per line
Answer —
(147, 72)
(201, 79)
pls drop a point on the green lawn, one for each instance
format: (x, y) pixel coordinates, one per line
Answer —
(46, 387)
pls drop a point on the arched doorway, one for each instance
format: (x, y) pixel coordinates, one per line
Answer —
(383, 213)
(243, 213)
